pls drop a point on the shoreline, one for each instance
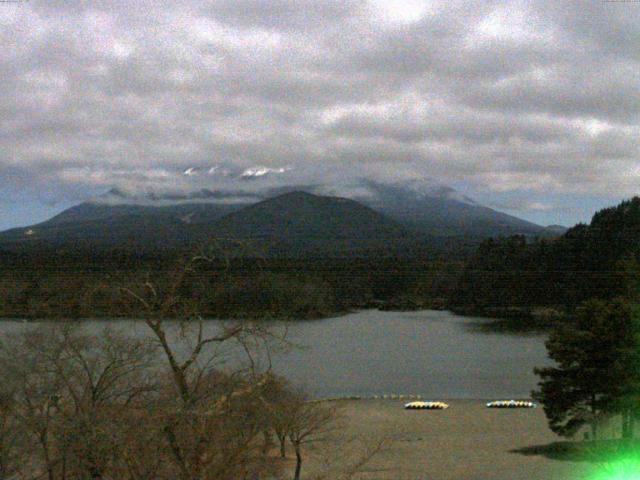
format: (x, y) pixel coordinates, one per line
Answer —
(403, 397)
(477, 321)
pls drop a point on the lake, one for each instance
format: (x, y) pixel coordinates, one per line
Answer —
(431, 353)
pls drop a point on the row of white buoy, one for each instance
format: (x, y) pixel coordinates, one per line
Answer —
(396, 397)
(426, 406)
(359, 397)
(494, 404)
(511, 404)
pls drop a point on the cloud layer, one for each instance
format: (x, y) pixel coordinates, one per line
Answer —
(507, 98)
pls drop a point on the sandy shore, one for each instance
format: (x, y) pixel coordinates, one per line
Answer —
(465, 442)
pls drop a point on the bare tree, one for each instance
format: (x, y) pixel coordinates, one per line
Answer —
(209, 432)
(277, 398)
(76, 405)
(11, 436)
(103, 376)
(308, 422)
(70, 389)
(36, 392)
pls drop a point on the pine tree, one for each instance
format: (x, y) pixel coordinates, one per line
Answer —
(596, 372)
(627, 372)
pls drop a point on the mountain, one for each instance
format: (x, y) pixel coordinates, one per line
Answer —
(295, 223)
(419, 204)
(301, 214)
(299, 223)
(440, 210)
(186, 213)
(100, 223)
(402, 217)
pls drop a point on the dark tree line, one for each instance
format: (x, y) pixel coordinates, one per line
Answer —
(73, 285)
(512, 276)
(593, 274)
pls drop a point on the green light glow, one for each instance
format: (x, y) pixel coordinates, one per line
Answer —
(620, 469)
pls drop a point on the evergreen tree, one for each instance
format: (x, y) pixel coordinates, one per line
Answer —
(626, 400)
(596, 372)
(599, 260)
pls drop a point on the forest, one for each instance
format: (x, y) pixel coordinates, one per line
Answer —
(516, 277)
(529, 280)
(53, 285)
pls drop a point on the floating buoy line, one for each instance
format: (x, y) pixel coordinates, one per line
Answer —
(426, 406)
(418, 404)
(511, 404)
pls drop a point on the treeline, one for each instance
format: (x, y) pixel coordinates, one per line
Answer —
(538, 280)
(85, 284)
(517, 277)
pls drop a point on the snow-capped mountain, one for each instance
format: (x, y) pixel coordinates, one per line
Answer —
(261, 172)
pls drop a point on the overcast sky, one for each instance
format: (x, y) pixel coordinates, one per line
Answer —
(530, 107)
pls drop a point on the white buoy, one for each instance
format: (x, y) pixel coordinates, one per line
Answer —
(511, 404)
(426, 406)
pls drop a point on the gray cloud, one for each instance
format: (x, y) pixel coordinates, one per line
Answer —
(283, 15)
(499, 96)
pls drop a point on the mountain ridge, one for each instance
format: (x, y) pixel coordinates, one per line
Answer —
(296, 222)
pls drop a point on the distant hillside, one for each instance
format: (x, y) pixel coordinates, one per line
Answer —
(443, 211)
(555, 230)
(402, 218)
(300, 214)
(300, 222)
(99, 225)
(292, 224)
(186, 213)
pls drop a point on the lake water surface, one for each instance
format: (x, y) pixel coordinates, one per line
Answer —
(431, 353)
